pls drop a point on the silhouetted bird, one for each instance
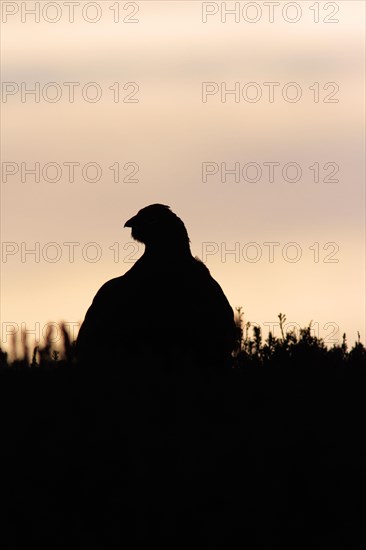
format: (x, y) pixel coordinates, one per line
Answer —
(166, 306)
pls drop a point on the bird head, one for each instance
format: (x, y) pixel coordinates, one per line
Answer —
(157, 226)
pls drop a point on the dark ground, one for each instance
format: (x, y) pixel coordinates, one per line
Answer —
(251, 458)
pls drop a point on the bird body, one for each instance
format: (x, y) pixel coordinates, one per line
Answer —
(167, 305)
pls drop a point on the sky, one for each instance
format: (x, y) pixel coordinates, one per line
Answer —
(246, 118)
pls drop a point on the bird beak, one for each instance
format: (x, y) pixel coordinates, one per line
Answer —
(131, 222)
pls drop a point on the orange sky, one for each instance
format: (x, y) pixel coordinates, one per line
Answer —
(165, 137)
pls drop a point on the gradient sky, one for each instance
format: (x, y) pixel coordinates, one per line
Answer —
(169, 133)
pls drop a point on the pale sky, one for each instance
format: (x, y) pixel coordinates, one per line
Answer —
(294, 159)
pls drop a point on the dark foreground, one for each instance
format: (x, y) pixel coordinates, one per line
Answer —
(247, 458)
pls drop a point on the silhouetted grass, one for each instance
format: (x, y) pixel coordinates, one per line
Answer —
(267, 452)
(304, 349)
(251, 349)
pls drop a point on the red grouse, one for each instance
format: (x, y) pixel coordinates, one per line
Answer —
(166, 306)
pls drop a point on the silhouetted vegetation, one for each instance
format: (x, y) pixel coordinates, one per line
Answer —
(304, 349)
(267, 451)
(250, 350)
